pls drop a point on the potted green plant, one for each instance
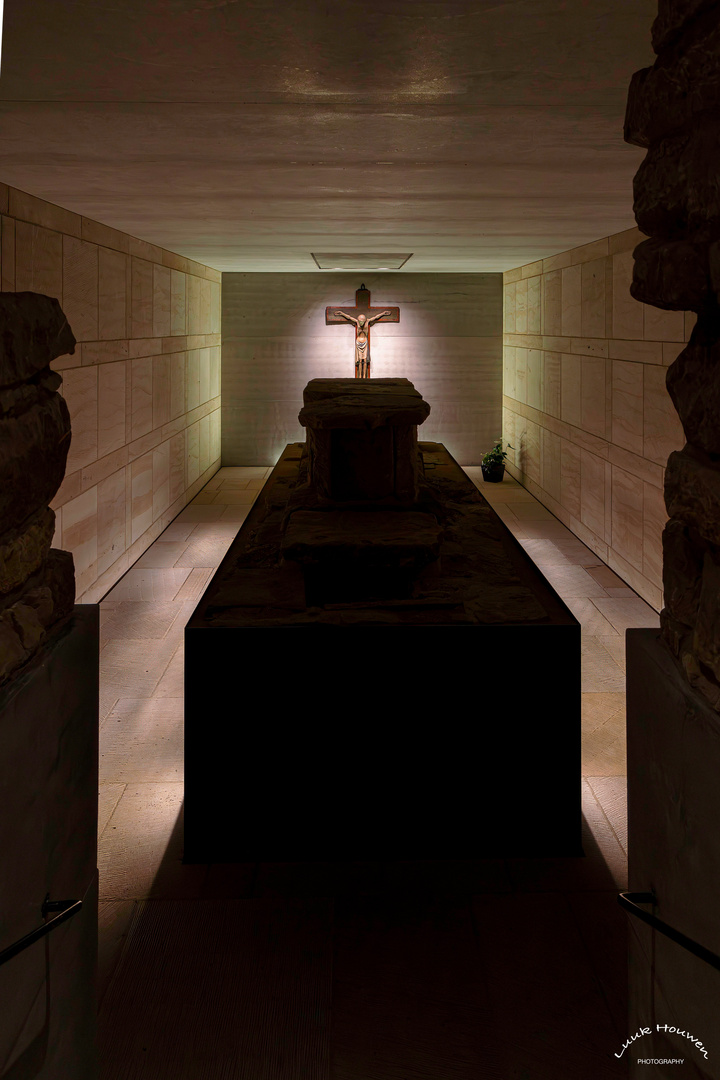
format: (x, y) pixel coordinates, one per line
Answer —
(493, 463)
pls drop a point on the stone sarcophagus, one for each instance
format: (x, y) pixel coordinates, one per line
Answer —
(382, 592)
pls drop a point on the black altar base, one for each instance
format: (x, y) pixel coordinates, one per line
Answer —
(412, 729)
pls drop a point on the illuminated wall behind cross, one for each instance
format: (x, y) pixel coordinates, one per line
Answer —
(448, 343)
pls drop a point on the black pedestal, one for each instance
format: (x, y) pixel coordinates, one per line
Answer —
(381, 742)
(673, 761)
(48, 819)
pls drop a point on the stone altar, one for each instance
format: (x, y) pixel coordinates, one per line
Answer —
(384, 600)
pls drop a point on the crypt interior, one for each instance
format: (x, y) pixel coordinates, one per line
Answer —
(173, 174)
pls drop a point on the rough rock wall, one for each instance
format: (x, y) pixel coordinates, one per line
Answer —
(673, 111)
(37, 583)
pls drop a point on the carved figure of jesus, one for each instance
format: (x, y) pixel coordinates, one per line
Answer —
(362, 340)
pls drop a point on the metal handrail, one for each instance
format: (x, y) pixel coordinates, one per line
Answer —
(630, 900)
(66, 909)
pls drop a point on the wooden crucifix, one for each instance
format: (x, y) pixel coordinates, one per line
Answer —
(362, 317)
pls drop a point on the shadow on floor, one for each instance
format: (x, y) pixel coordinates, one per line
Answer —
(422, 970)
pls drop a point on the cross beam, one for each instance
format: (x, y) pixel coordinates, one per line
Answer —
(362, 317)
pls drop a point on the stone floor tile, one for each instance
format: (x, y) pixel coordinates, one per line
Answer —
(176, 530)
(108, 798)
(545, 553)
(161, 553)
(603, 734)
(611, 793)
(244, 472)
(108, 696)
(200, 513)
(149, 584)
(235, 513)
(599, 672)
(138, 664)
(171, 685)
(591, 620)
(530, 511)
(132, 619)
(575, 551)
(240, 497)
(140, 851)
(195, 583)
(626, 613)
(114, 920)
(615, 645)
(205, 551)
(549, 530)
(606, 577)
(209, 530)
(204, 498)
(507, 514)
(572, 581)
(142, 742)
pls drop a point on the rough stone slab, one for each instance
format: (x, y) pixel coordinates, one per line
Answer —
(33, 452)
(671, 274)
(682, 571)
(282, 588)
(365, 537)
(677, 187)
(34, 332)
(680, 85)
(362, 403)
(692, 494)
(673, 18)
(23, 555)
(482, 574)
(693, 382)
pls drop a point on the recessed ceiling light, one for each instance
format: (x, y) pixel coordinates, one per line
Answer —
(360, 260)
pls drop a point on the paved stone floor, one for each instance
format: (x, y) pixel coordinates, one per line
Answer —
(509, 968)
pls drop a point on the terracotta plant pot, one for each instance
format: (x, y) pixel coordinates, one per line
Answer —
(493, 473)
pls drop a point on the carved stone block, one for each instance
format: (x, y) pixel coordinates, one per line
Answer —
(692, 494)
(671, 274)
(37, 584)
(675, 17)
(683, 554)
(677, 187)
(693, 382)
(706, 638)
